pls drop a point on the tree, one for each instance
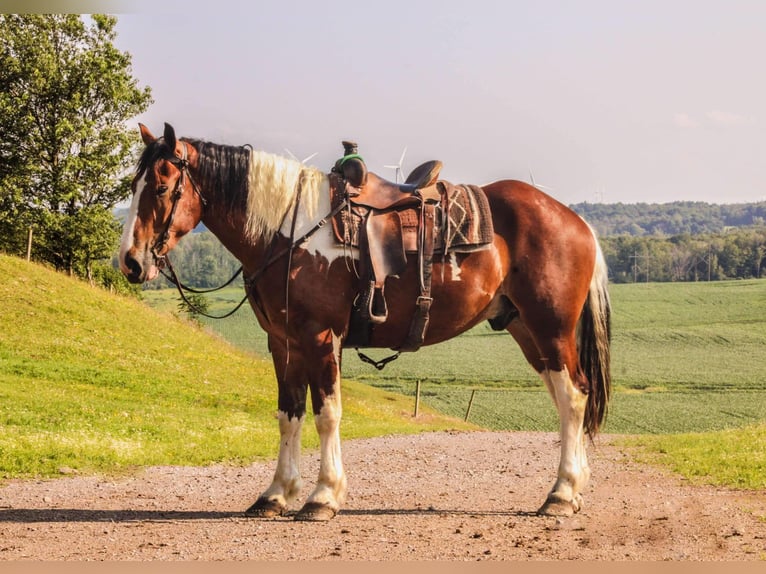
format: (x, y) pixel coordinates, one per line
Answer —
(194, 306)
(66, 93)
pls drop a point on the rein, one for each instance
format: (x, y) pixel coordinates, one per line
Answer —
(173, 278)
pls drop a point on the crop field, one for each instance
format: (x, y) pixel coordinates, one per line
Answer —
(686, 357)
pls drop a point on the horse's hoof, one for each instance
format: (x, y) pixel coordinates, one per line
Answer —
(558, 507)
(315, 512)
(265, 508)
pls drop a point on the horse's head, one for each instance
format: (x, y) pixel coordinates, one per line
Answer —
(166, 204)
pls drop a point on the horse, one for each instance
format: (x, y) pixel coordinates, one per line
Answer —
(543, 278)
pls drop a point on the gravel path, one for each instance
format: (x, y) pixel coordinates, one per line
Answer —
(434, 496)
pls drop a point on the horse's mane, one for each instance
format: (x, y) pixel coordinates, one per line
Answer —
(274, 184)
(223, 173)
(264, 185)
(151, 153)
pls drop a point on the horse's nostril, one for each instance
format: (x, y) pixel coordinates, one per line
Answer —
(133, 266)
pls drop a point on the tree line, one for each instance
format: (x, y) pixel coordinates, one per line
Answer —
(739, 253)
(666, 219)
(680, 241)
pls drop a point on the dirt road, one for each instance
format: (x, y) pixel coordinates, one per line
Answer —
(435, 496)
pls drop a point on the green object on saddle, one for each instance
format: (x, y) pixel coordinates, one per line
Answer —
(345, 158)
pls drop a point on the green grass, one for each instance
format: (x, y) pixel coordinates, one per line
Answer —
(734, 458)
(690, 336)
(97, 382)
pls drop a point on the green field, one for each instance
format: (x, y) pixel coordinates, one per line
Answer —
(687, 357)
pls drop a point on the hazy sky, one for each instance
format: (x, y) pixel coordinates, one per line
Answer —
(631, 101)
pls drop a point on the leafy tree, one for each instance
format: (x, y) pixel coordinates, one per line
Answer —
(65, 95)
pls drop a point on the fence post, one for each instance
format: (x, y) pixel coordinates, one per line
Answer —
(417, 397)
(470, 404)
(29, 244)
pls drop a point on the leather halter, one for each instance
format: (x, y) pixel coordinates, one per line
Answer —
(182, 163)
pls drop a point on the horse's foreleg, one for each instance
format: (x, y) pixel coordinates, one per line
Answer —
(287, 477)
(330, 492)
(573, 472)
(292, 410)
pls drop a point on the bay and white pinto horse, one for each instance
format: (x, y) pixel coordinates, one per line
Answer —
(543, 279)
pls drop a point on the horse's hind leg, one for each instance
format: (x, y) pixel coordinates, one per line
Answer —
(565, 497)
(554, 362)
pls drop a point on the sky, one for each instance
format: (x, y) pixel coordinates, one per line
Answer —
(598, 101)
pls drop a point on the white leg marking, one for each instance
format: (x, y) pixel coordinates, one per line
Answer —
(331, 483)
(574, 472)
(130, 223)
(287, 478)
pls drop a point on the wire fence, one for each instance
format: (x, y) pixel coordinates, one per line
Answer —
(629, 413)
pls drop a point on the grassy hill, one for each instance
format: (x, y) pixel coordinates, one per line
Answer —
(96, 382)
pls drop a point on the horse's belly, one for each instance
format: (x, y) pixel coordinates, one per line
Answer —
(463, 288)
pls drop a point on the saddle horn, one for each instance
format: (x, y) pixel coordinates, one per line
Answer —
(351, 166)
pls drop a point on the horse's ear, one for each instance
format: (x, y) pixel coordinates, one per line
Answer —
(170, 136)
(146, 135)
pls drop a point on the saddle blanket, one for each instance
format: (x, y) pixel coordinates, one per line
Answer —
(463, 221)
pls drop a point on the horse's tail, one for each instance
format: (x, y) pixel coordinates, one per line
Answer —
(594, 341)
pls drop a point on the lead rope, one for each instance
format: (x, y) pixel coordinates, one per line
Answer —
(287, 277)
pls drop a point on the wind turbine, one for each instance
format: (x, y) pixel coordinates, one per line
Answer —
(398, 167)
(304, 160)
(538, 185)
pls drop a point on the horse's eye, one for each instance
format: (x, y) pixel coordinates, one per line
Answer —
(162, 189)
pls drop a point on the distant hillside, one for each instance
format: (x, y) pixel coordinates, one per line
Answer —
(675, 218)
(93, 381)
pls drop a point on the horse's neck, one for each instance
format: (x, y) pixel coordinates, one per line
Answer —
(230, 228)
(230, 232)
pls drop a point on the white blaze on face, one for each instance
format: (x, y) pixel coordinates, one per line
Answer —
(127, 241)
(130, 223)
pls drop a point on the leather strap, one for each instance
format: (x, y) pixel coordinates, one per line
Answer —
(421, 318)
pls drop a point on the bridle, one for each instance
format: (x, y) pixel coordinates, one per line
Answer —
(162, 261)
(182, 163)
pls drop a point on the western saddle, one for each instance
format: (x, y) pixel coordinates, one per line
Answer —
(386, 221)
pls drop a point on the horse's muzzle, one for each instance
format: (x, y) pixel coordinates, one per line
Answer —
(136, 272)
